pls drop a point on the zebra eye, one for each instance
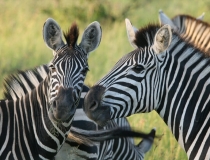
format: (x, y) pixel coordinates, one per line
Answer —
(138, 68)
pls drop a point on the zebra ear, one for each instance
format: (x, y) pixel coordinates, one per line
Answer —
(131, 32)
(201, 16)
(91, 37)
(164, 19)
(162, 39)
(52, 34)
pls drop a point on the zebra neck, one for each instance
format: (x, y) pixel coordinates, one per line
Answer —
(184, 99)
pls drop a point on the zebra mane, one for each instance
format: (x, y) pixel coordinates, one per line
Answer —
(191, 19)
(183, 16)
(71, 35)
(22, 82)
(144, 37)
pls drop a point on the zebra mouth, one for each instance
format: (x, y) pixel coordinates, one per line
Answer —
(62, 117)
(60, 111)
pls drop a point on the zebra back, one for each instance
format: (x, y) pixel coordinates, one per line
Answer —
(23, 82)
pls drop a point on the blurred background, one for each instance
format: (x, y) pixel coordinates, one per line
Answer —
(22, 46)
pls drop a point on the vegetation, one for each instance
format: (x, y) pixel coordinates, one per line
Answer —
(22, 46)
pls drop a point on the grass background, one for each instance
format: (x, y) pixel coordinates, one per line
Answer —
(22, 46)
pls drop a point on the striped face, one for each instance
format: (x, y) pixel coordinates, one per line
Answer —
(69, 66)
(131, 86)
(68, 71)
(123, 87)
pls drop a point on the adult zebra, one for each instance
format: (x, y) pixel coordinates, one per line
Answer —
(26, 81)
(166, 74)
(191, 29)
(36, 125)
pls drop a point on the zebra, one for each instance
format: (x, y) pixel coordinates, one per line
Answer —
(71, 150)
(191, 29)
(166, 74)
(36, 125)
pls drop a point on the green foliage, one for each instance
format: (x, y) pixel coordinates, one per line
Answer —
(22, 46)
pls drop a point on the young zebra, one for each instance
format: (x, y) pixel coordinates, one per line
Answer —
(111, 149)
(165, 74)
(191, 29)
(36, 125)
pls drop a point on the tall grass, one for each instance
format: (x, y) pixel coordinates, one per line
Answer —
(22, 45)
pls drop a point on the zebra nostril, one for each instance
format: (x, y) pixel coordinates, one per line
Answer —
(93, 105)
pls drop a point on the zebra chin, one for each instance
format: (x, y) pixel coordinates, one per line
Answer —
(61, 117)
(101, 115)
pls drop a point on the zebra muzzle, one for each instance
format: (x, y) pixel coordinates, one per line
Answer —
(63, 106)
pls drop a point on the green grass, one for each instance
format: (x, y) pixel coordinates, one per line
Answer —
(22, 45)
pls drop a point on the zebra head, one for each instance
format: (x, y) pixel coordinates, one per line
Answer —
(127, 88)
(69, 66)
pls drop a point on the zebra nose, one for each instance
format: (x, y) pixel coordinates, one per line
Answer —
(93, 99)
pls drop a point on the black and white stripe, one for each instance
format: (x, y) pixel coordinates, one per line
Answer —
(119, 148)
(166, 74)
(116, 149)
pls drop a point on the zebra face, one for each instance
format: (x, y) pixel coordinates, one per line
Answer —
(69, 66)
(117, 90)
(131, 84)
(67, 78)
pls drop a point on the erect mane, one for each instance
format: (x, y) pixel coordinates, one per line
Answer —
(144, 37)
(22, 82)
(198, 21)
(71, 35)
(198, 26)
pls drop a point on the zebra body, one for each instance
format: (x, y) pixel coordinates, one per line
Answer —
(36, 125)
(191, 29)
(111, 149)
(166, 74)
